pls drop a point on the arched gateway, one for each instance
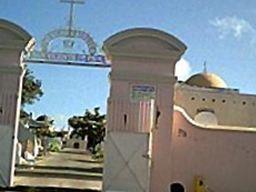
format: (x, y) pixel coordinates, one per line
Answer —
(140, 105)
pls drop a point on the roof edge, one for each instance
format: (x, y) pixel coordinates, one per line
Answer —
(146, 32)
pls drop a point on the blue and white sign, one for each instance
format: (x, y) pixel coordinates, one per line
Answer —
(142, 92)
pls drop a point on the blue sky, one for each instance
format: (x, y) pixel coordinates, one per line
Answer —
(223, 33)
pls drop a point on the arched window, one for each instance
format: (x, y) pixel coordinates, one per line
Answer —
(177, 187)
(206, 117)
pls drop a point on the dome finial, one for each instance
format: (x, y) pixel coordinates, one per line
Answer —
(205, 67)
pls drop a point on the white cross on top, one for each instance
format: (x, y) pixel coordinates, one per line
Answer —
(71, 12)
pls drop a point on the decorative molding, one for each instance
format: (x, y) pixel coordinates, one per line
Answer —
(144, 32)
(173, 55)
(143, 77)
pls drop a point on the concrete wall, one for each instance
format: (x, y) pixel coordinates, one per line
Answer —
(230, 107)
(225, 158)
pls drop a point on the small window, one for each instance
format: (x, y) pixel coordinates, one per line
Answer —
(193, 98)
(203, 99)
(244, 103)
(213, 100)
(223, 101)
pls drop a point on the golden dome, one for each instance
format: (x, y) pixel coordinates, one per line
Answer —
(207, 80)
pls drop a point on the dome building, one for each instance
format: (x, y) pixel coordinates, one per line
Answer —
(206, 98)
(165, 135)
(207, 80)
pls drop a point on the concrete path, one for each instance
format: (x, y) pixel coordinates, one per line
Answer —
(69, 168)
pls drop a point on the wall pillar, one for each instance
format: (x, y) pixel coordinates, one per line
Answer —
(140, 102)
(14, 42)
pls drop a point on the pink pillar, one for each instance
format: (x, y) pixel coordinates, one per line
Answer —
(14, 41)
(143, 62)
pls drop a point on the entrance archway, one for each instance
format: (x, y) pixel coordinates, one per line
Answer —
(142, 84)
(15, 49)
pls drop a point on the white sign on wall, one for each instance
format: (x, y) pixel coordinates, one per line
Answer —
(142, 92)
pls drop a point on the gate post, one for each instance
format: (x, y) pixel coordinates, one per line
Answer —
(140, 107)
(14, 42)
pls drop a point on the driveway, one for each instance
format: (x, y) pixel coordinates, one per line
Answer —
(69, 168)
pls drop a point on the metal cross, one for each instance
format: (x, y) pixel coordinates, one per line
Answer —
(71, 12)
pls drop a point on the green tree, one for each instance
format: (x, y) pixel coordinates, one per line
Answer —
(31, 90)
(92, 125)
(43, 126)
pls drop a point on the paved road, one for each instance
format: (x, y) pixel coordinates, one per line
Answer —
(68, 169)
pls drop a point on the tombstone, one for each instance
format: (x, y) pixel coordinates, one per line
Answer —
(18, 160)
(140, 109)
(14, 42)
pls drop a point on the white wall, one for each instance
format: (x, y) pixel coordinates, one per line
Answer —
(126, 166)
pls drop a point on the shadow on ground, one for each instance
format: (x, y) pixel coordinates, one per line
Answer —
(87, 161)
(43, 189)
(92, 170)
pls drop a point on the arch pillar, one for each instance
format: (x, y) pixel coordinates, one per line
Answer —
(14, 42)
(140, 110)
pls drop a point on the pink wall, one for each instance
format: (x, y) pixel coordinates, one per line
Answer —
(9, 84)
(129, 117)
(226, 159)
(162, 137)
(14, 40)
(144, 57)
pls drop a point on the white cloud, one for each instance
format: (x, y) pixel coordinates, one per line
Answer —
(233, 26)
(183, 69)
